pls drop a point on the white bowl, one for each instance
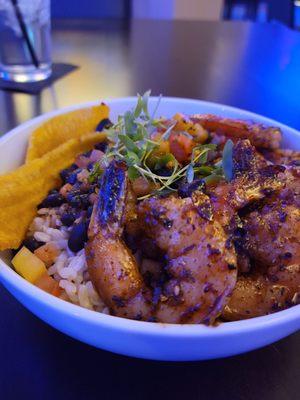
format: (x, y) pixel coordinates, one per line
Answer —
(135, 338)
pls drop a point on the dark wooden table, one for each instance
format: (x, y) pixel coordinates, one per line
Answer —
(252, 66)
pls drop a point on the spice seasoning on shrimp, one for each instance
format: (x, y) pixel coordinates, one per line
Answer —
(212, 250)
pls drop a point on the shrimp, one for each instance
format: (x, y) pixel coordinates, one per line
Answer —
(272, 240)
(201, 264)
(253, 180)
(259, 135)
(201, 260)
(262, 294)
(111, 265)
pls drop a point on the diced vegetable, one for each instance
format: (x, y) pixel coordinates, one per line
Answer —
(96, 155)
(64, 190)
(142, 186)
(64, 296)
(82, 161)
(158, 153)
(200, 134)
(183, 123)
(47, 253)
(28, 265)
(48, 284)
(181, 146)
(164, 147)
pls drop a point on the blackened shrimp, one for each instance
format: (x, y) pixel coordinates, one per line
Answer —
(259, 135)
(111, 265)
(261, 294)
(201, 264)
(253, 180)
(272, 239)
(201, 261)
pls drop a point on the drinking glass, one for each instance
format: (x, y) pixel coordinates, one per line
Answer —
(25, 42)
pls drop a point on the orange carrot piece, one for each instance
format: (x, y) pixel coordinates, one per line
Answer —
(49, 285)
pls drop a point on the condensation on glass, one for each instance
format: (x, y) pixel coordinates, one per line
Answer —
(17, 62)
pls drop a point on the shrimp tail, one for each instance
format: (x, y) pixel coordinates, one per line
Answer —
(109, 210)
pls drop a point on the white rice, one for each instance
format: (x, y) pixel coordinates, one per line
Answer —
(69, 269)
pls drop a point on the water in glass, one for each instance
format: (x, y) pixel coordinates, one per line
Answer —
(16, 61)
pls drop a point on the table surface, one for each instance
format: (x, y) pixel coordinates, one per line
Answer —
(251, 66)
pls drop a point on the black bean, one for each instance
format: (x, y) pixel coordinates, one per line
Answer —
(88, 153)
(90, 166)
(68, 218)
(52, 200)
(74, 201)
(78, 170)
(72, 178)
(89, 211)
(75, 192)
(104, 124)
(92, 189)
(84, 200)
(31, 243)
(78, 237)
(78, 199)
(66, 172)
(102, 146)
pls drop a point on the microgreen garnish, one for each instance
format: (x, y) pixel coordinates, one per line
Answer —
(95, 173)
(163, 160)
(131, 140)
(190, 173)
(227, 160)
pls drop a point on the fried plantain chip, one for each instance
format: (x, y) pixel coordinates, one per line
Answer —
(59, 129)
(14, 223)
(24, 188)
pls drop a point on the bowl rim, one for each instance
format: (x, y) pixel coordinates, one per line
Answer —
(130, 99)
(7, 274)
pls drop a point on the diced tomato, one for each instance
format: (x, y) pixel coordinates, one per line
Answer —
(181, 146)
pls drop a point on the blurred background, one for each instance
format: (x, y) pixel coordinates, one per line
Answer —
(244, 53)
(285, 11)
